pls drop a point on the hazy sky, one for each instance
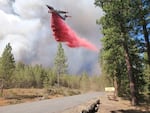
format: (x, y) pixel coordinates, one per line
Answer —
(26, 25)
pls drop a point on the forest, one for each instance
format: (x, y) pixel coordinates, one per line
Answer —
(124, 57)
(20, 75)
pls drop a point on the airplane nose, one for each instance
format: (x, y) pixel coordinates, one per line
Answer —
(49, 7)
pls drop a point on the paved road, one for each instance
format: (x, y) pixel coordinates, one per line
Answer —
(51, 105)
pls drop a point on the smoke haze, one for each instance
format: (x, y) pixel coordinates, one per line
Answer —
(25, 24)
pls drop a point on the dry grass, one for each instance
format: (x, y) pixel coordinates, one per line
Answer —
(18, 95)
(19, 91)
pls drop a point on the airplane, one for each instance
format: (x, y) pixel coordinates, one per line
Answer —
(51, 10)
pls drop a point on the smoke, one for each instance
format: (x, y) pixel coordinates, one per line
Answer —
(25, 24)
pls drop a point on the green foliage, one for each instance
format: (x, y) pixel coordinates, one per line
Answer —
(60, 64)
(140, 23)
(70, 81)
(147, 79)
(98, 83)
(7, 66)
(84, 82)
(41, 76)
(51, 77)
(60, 61)
(30, 76)
(24, 77)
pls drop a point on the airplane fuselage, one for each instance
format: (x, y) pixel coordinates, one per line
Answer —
(58, 12)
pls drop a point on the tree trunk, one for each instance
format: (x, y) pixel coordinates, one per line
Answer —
(129, 64)
(146, 40)
(131, 77)
(1, 87)
(116, 87)
(58, 79)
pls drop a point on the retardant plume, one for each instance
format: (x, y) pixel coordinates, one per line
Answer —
(63, 33)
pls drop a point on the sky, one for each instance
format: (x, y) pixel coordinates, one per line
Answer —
(25, 24)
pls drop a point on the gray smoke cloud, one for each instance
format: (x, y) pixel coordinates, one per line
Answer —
(26, 25)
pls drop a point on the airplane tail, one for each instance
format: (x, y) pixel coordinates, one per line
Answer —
(66, 16)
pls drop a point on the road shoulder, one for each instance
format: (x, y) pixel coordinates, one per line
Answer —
(109, 106)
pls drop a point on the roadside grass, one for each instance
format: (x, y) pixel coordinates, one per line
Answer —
(21, 95)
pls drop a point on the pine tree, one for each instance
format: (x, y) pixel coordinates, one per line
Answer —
(119, 45)
(7, 66)
(60, 63)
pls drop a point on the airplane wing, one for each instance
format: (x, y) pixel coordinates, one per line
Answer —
(59, 11)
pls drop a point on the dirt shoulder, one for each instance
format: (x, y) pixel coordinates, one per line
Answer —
(110, 106)
(119, 106)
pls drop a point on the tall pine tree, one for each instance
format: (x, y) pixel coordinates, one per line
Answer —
(119, 47)
(7, 67)
(60, 63)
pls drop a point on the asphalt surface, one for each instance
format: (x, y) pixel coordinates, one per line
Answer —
(51, 105)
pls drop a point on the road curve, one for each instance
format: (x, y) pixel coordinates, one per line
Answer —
(51, 105)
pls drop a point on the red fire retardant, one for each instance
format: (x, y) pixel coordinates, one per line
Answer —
(63, 33)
